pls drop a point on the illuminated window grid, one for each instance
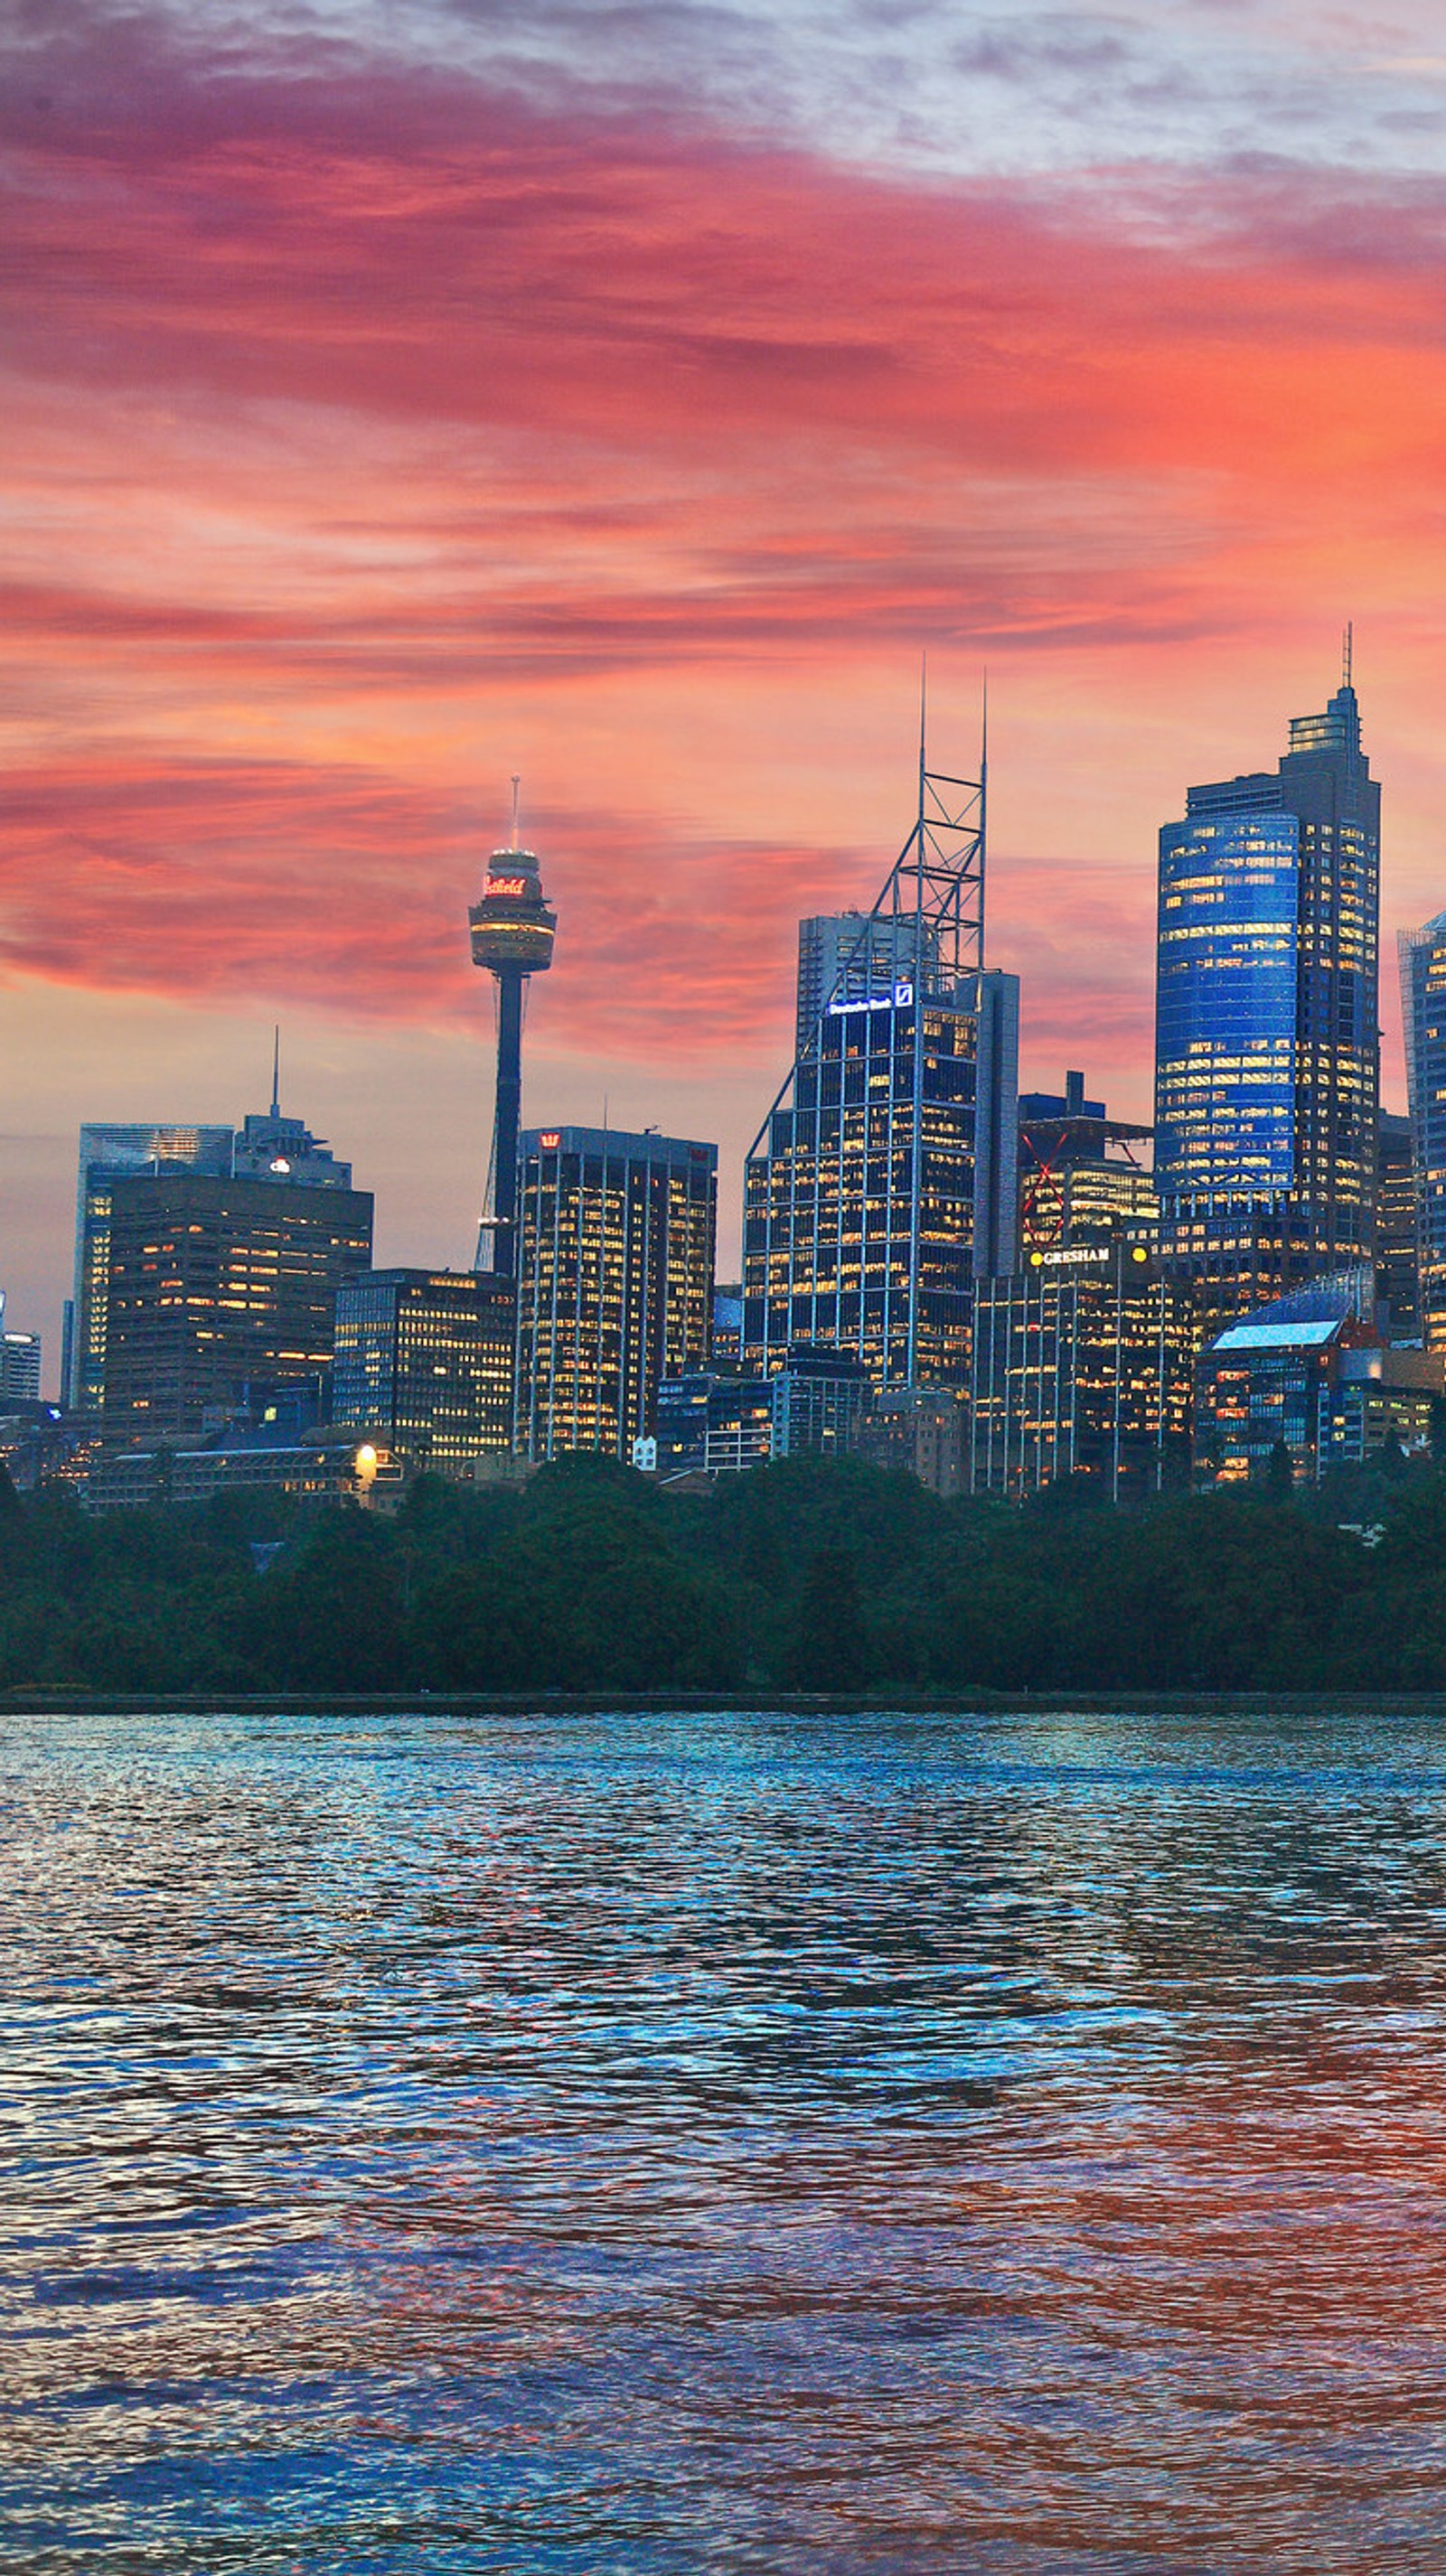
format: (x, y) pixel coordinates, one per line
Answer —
(181, 1344)
(616, 1255)
(1080, 1374)
(842, 1244)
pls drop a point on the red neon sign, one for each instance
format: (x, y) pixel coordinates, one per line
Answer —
(505, 885)
(549, 1139)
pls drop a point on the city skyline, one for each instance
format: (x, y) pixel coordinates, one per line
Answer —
(770, 350)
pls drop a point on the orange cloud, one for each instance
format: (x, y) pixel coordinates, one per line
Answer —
(359, 419)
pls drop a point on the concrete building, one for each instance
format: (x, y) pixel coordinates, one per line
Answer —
(324, 1469)
(922, 1431)
(221, 1301)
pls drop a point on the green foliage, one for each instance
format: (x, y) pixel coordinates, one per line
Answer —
(825, 1576)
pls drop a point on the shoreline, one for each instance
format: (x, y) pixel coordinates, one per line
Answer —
(883, 1702)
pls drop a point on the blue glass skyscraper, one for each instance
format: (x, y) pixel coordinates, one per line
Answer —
(1267, 1042)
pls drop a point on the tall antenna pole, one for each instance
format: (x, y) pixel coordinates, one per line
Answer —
(276, 1071)
(923, 793)
(983, 798)
(516, 789)
(1347, 654)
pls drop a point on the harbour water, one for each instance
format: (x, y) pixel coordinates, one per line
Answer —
(609, 2145)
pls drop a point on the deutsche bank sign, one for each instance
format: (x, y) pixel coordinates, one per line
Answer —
(900, 997)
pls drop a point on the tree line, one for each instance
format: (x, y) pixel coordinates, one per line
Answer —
(804, 1575)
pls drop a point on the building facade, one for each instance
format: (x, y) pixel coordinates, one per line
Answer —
(615, 1282)
(1423, 1013)
(886, 1181)
(1267, 1049)
(424, 1358)
(221, 1300)
(269, 1148)
(817, 1406)
(920, 1430)
(109, 1154)
(20, 1356)
(1081, 1366)
(1398, 1283)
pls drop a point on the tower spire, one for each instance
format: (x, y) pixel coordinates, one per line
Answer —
(516, 789)
(276, 1071)
(1347, 654)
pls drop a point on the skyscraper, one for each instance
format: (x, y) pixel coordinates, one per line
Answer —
(19, 1363)
(1267, 1049)
(512, 934)
(110, 1153)
(269, 1148)
(614, 1282)
(424, 1357)
(1423, 1012)
(885, 1178)
(221, 1299)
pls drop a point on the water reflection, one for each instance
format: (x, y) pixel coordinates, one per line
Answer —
(729, 2144)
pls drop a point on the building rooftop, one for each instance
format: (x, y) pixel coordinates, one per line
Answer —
(1279, 1336)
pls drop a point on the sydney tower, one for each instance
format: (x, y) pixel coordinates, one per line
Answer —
(512, 936)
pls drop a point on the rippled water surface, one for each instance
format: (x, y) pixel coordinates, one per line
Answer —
(647, 2144)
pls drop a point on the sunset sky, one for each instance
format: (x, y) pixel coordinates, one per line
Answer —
(400, 395)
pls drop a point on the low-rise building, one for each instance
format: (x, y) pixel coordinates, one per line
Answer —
(922, 1430)
(326, 1469)
(1325, 1384)
(706, 1423)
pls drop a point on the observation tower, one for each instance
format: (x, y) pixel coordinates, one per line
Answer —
(512, 935)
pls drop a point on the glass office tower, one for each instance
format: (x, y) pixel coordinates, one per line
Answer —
(425, 1359)
(1267, 1047)
(111, 1153)
(885, 1179)
(1397, 1274)
(886, 1182)
(616, 1239)
(1423, 1010)
(1081, 1366)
